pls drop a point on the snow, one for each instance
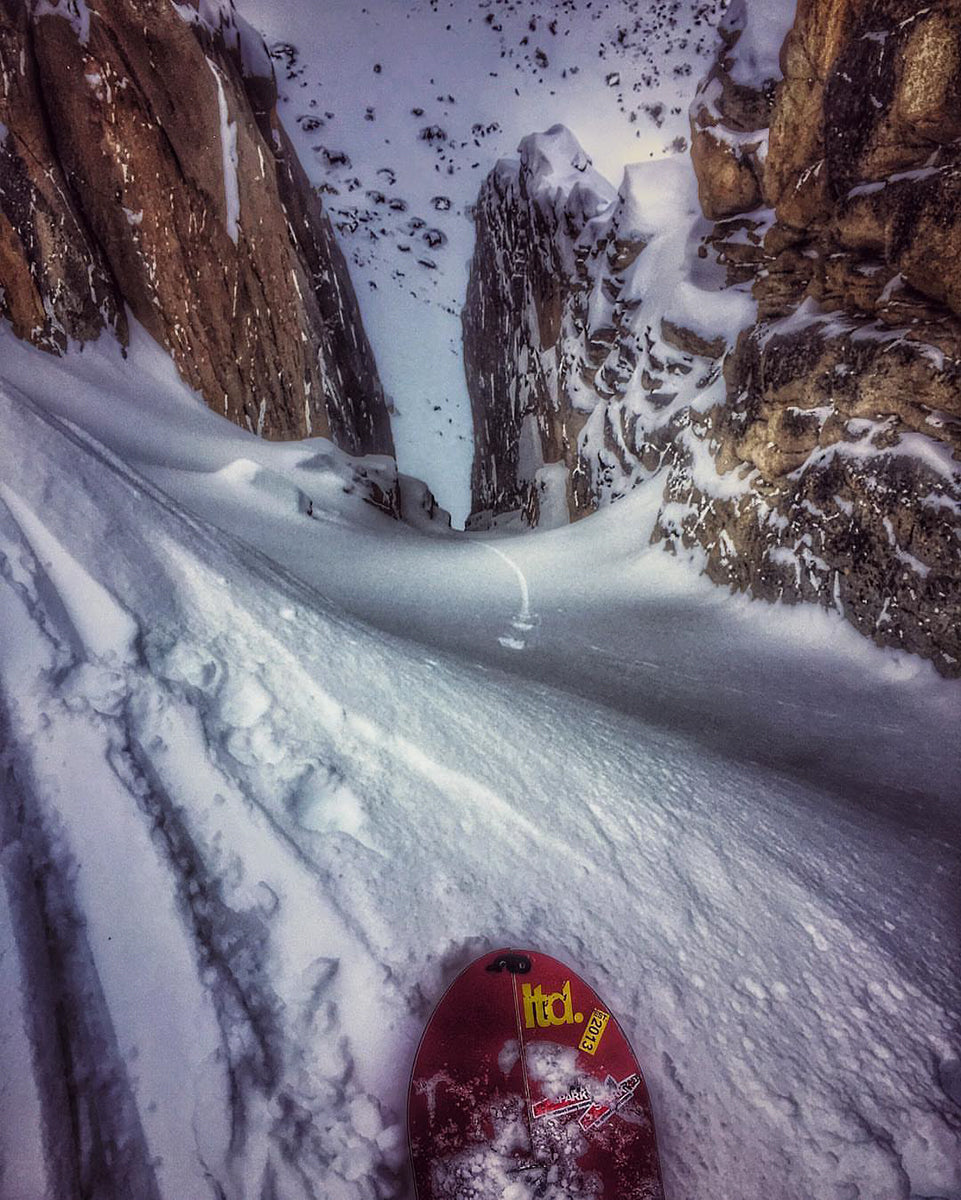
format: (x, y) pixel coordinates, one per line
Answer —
(294, 772)
(914, 176)
(756, 54)
(555, 162)
(668, 283)
(810, 313)
(936, 456)
(658, 202)
(21, 1115)
(653, 196)
(104, 629)
(909, 560)
(703, 471)
(552, 480)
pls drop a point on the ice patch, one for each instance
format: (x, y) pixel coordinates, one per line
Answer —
(228, 146)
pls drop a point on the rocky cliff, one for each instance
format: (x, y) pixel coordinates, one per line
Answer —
(819, 274)
(845, 394)
(143, 168)
(526, 307)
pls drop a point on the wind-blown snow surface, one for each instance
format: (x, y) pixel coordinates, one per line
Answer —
(398, 110)
(260, 834)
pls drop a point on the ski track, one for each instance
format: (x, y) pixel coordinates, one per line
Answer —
(523, 620)
(285, 833)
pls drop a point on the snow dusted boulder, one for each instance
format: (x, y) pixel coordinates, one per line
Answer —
(731, 110)
(143, 164)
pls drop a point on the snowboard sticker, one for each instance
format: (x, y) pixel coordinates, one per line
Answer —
(525, 1087)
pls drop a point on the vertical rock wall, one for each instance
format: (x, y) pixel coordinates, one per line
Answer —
(525, 310)
(845, 395)
(142, 164)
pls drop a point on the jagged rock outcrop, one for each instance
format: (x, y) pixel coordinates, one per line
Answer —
(845, 396)
(526, 300)
(824, 464)
(143, 167)
(585, 338)
(731, 113)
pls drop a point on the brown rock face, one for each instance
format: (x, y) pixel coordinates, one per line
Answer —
(142, 164)
(855, 496)
(844, 401)
(863, 157)
(56, 282)
(729, 122)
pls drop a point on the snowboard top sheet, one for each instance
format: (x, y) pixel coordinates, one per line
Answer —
(524, 1085)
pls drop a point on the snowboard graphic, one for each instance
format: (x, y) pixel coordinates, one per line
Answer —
(524, 1086)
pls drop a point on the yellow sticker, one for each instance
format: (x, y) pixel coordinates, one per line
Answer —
(542, 1010)
(594, 1031)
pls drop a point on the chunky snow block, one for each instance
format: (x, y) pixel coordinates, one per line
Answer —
(525, 1085)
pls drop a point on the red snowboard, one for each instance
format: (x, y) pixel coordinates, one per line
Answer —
(524, 1086)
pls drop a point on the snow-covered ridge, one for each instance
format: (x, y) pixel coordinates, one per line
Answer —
(615, 337)
(553, 165)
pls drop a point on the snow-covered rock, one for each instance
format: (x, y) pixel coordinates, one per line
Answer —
(595, 339)
(731, 110)
(526, 296)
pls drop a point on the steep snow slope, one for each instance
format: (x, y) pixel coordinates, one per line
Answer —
(399, 110)
(261, 835)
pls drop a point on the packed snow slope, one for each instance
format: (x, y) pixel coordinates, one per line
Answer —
(398, 108)
(274, 771)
